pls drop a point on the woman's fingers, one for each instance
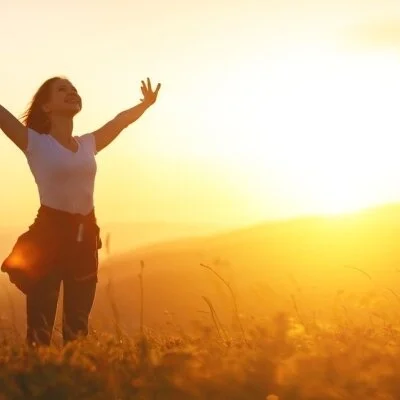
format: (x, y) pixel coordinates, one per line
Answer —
(148, 93)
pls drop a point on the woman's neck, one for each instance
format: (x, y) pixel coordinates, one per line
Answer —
(61, 128)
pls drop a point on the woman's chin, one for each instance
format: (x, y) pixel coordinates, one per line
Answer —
(71, 111)
(76, 111)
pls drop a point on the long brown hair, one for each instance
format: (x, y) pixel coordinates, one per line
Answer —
(35, 117)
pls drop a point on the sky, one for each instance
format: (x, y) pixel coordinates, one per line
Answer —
(268, 109)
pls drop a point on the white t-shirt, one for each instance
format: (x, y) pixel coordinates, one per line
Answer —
(65, 179)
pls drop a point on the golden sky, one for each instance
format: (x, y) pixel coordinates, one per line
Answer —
(269, 108)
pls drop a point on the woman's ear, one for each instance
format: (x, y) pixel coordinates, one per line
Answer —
(46, 108)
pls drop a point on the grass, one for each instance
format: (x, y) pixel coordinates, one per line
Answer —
(279, 358)
(291, 355)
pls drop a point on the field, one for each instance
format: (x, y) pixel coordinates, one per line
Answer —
(304, 309)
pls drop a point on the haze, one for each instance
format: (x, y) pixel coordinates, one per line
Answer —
(269, 109)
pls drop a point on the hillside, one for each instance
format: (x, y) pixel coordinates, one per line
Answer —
(311, 260)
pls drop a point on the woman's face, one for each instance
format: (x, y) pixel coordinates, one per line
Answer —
(64, 99)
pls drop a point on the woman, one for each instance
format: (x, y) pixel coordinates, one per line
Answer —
(62, 244)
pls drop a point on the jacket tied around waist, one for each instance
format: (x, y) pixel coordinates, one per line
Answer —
(37, 251)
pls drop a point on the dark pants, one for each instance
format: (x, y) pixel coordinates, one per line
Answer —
(76, 267)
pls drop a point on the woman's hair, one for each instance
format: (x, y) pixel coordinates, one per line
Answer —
(35, 117)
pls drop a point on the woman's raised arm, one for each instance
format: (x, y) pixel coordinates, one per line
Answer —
(107, 133)
(13, 128)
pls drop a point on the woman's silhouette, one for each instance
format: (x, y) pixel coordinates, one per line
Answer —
(62, 244)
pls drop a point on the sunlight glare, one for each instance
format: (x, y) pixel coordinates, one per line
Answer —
(330, 116)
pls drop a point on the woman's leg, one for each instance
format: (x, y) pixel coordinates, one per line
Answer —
(41, 306)
(79, 285)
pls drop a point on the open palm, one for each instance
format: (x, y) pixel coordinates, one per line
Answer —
(149, 95)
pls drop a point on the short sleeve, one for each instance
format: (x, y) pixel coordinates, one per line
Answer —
(33, 141)
(88, 141)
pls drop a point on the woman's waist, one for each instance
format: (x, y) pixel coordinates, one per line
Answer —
(64, 221)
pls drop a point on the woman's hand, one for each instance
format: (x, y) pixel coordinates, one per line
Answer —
(149, 96)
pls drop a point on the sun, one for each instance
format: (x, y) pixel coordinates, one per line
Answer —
(342, 150)
(327, 133)
(342, 189)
